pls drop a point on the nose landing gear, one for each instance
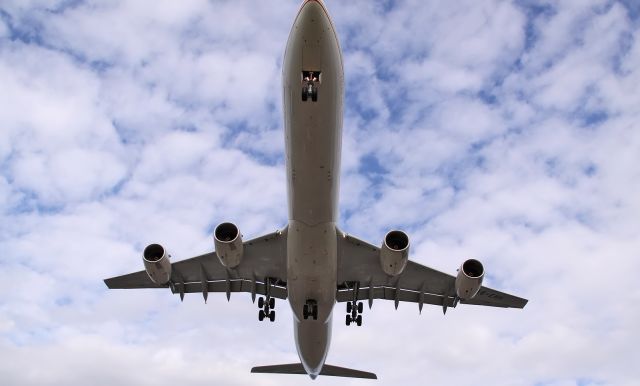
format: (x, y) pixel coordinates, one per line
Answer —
(310, 81)
(310, 310)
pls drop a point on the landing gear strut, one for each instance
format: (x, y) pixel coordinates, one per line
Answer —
(354, 308)
(267, 303)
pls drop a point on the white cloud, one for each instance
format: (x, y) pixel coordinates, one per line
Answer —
(68, 175)
(4, 29)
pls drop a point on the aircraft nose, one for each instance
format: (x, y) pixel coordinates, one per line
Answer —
(313, 11)
(319, 2)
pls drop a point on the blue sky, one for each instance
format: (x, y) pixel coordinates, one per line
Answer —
(504, 131)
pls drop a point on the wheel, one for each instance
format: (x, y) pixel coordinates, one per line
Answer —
(261, 315)
(260, 302)
(360, 307)
(359, 320)
(314, 95)
(314, 312)
(304, 94)
(272, 302)
(348, 320)
(272, 316)
(348, 307)
(305, 311)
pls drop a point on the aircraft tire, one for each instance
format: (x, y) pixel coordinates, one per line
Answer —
(261, 315)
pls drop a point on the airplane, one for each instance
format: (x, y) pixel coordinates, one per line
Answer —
(311, 262)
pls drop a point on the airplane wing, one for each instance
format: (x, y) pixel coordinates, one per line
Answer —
(362, 278)
(262, 271)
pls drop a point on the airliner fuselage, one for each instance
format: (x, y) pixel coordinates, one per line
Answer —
(313, 135)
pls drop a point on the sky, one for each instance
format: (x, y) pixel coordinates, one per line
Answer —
(503, 131)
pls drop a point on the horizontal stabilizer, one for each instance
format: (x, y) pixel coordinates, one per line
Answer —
(345, 372)
(296, 368)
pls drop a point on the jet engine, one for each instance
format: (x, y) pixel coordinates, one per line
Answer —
(228, 242)
(469, 279)
(157, 264)
(394, 252)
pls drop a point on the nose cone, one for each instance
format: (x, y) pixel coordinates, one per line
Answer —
(313, 18)
(313, 5)
(312, 45)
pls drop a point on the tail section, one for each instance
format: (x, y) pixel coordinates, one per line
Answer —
(336, 371)
(296, 368)
(290, 368)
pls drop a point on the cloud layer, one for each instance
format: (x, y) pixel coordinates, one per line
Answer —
(506, 131)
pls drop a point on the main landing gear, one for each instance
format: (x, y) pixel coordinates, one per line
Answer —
(267, 308)
(310, 310)
(354, 313)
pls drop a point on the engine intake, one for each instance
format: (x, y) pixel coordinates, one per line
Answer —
(228, 243)
(469, 279)
(394, 252)
(157, 264)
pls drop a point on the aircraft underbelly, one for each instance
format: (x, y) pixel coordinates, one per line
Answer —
(313, 135)
(313, 129)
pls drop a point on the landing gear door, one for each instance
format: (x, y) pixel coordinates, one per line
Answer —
(311, 76)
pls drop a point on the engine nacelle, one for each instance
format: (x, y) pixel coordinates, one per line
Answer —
(394, 252)
(469, 279)
(157, 264)
(228, 243)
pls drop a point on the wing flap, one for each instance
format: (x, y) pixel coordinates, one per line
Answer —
(275, 291)
(389, 293)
